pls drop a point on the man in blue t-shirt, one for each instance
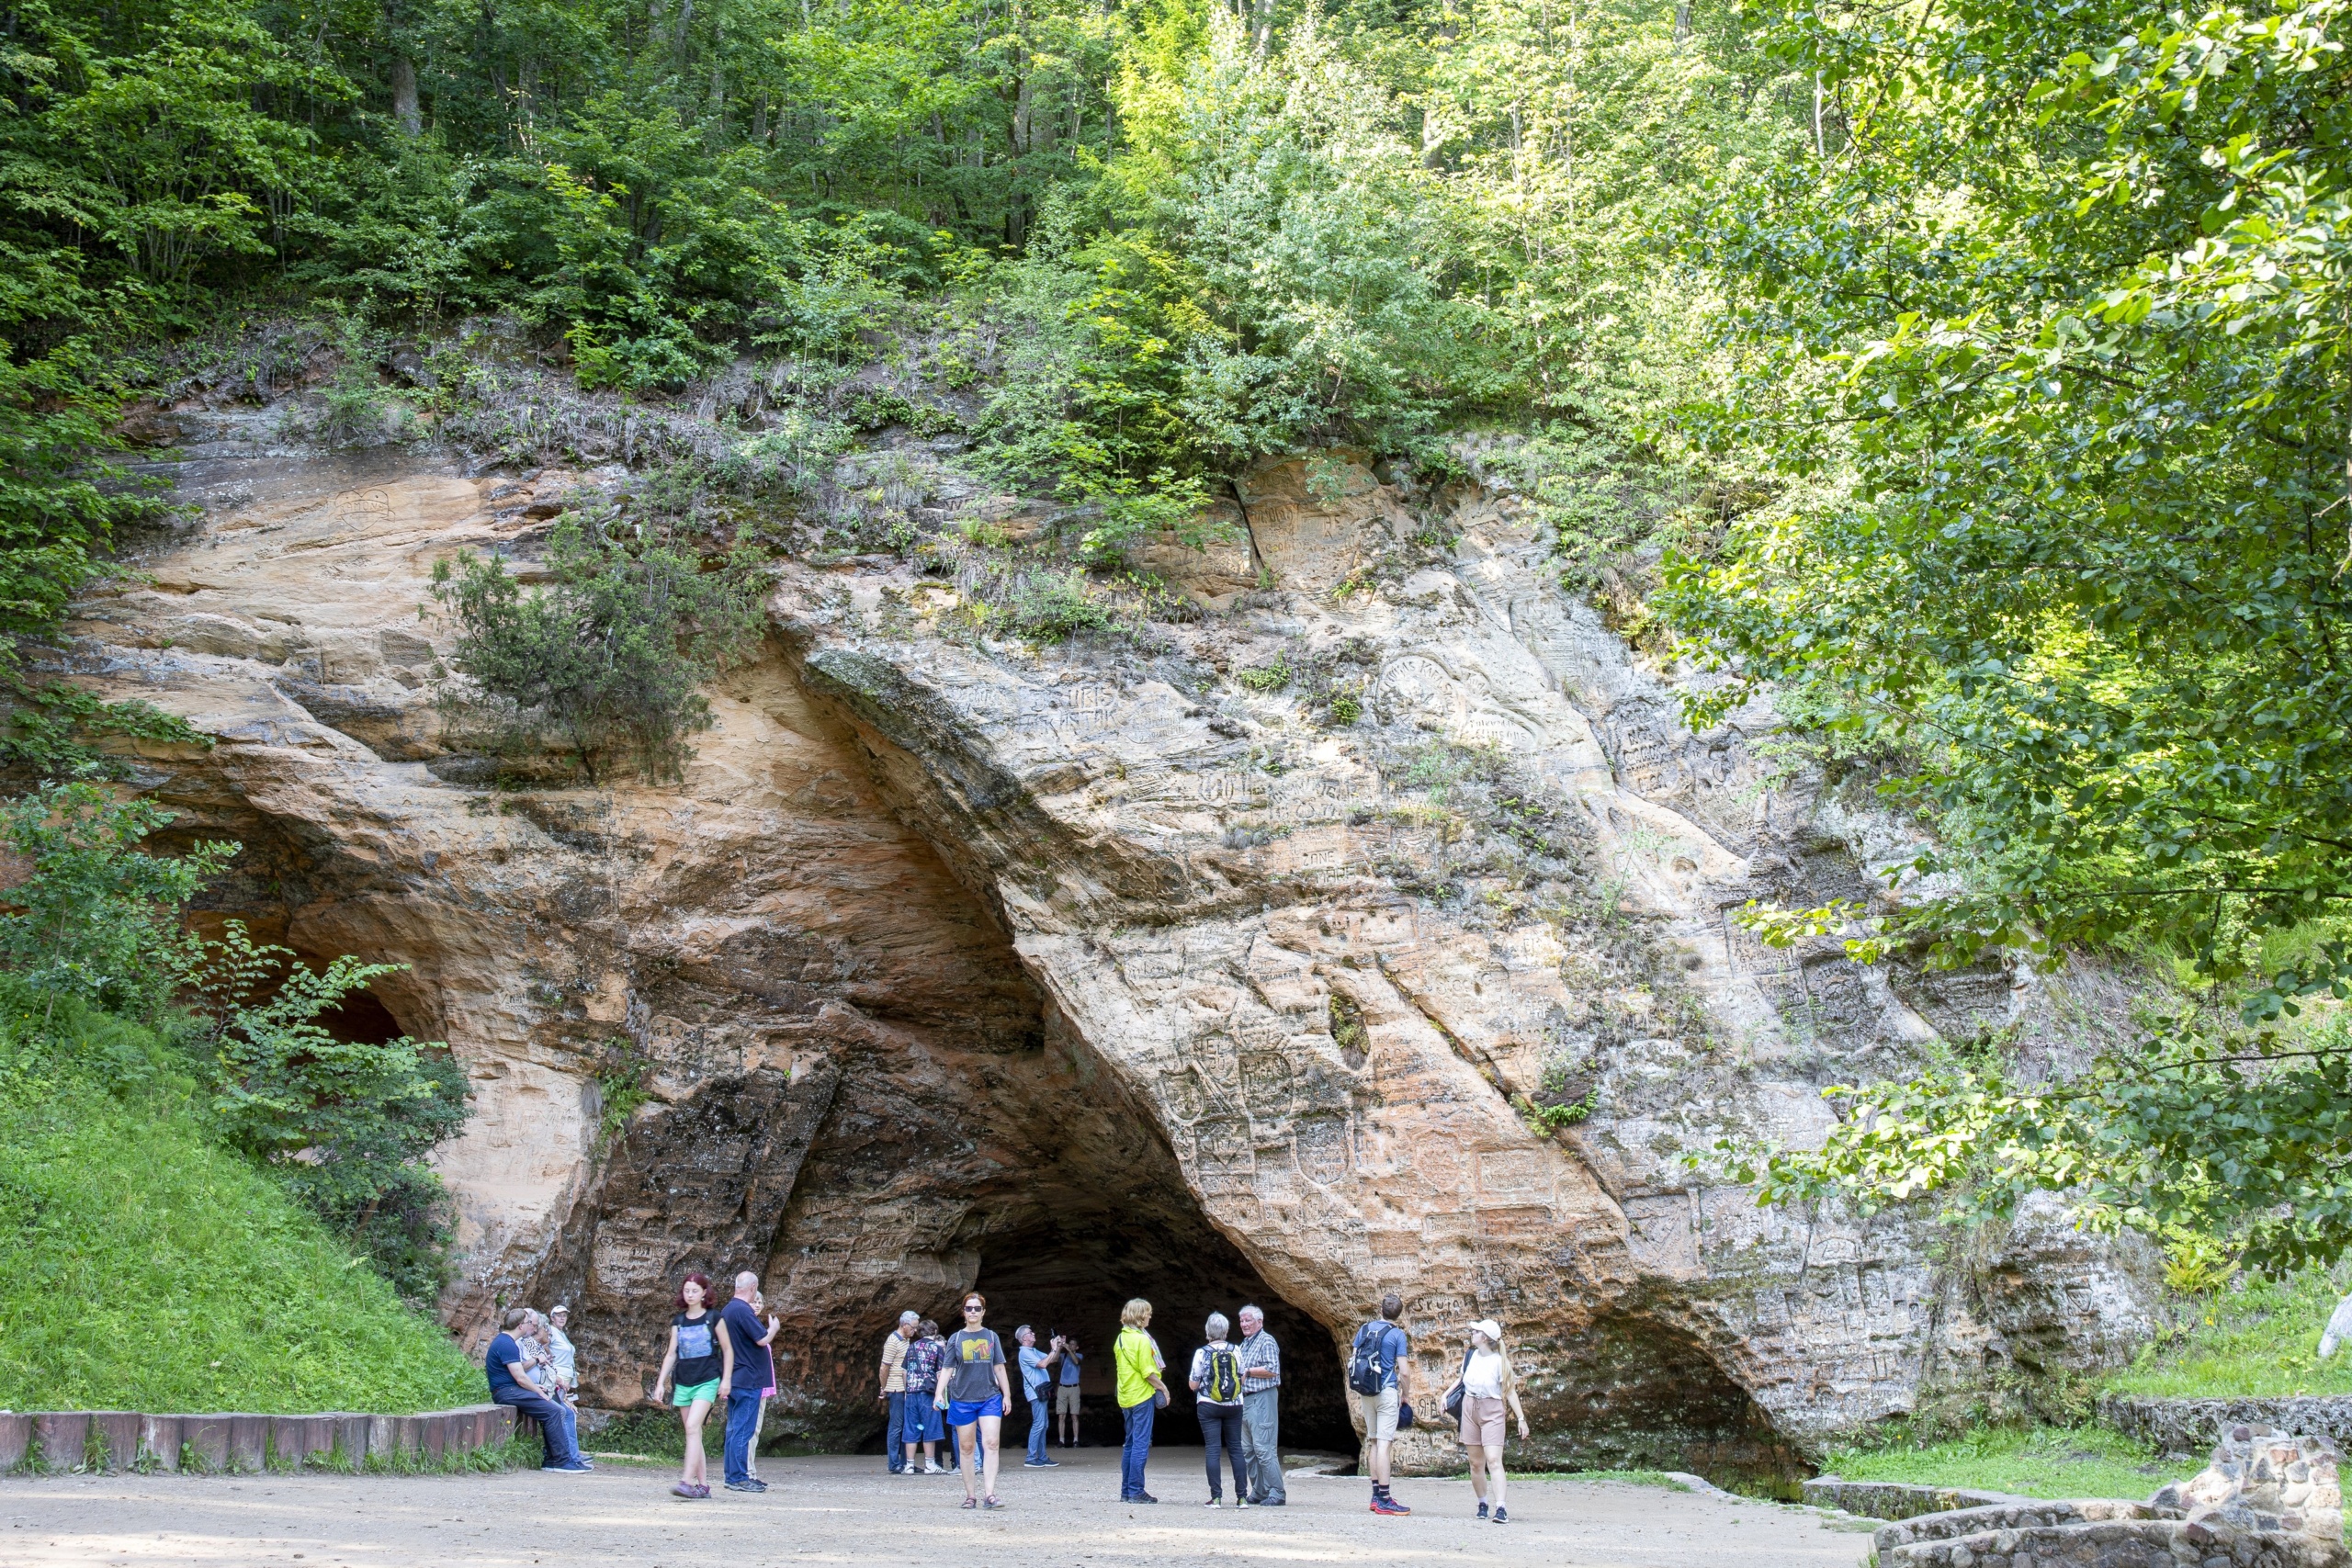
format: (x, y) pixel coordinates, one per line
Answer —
(1386, 1342)
(511, 1383)
(750, 1373)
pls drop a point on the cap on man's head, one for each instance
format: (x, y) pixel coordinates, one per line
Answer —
(558, 1310)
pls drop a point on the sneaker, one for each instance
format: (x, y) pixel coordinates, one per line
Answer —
(683, 1489)
(1384, 1504)
(1038, 1464)
(1050, 1464)
(577, 1467)
(1481, 1507)
(1502, 1516)
(1143, 1497)
(702, 1489)
(745, 1486)
(757, 1485)
(934, 1470)
(1216, 1501)
(1269, 1503)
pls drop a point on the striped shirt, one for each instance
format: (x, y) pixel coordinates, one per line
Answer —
(1260, 1350)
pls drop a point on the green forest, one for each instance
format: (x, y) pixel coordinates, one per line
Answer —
(1969, 374)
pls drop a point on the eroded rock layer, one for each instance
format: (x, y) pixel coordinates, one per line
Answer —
(1233, 960)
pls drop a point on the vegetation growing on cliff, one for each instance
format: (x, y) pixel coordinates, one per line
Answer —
(1980, 367)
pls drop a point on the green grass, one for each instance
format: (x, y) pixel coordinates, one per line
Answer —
(2255, 1337)
(1626, 1477)
(143, 1267)
(2047, 1461)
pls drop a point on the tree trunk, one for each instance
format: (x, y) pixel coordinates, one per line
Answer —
(404, 104)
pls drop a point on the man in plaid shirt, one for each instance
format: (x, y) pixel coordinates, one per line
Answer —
(1261, 1382)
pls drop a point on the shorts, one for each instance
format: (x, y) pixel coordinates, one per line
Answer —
(1482, 1421)
(964, 1412)
(1379, 1414)
(687, 1393)
(1065, 1399)
(921, 1424)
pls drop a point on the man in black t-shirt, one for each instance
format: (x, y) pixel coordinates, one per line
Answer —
(749, 1339)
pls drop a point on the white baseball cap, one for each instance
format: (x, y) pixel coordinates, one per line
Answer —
(1489, 1327)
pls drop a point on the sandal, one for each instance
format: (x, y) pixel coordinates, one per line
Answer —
(989, 1502)
(969, 1502)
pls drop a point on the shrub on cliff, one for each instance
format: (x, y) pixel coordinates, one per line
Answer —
(95, 929)
(607, 657)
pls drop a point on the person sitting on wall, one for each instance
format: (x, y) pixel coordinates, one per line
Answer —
(511, 1384)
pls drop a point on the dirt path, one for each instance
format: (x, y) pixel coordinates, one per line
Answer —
(849, 1512)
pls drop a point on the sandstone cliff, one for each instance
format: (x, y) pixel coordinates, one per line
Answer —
(1226, 961)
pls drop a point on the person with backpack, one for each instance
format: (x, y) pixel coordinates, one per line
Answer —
(1217, 1380)
(1378, 1370)
(699, 1364)
(1480, 1393)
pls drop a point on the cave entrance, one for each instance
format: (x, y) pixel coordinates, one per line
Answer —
(1075, 1278)
(1085, 1206)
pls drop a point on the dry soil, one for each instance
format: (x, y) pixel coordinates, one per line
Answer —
(848, 1512)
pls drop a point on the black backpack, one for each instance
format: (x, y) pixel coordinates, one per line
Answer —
(1368, 1368)
(1223, 1383)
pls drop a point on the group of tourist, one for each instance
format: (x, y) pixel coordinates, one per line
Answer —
(957, 1388)
(532, 1366)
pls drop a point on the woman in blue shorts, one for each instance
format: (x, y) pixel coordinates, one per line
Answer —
(920, 1423)
(974, 1391)
(698, 1362)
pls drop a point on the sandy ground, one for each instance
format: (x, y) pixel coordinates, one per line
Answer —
(849, 1512)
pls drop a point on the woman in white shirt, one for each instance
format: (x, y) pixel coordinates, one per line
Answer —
(1488, 1390)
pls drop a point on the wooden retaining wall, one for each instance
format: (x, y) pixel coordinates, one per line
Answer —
(51, 1442)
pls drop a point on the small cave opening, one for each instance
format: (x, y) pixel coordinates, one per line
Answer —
(1639, 1394)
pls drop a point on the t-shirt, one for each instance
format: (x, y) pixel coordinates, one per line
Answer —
(1070, 1359)
(503, 1349)
(924, 1357)
(566, 1359)
(974, 1354)
(753, 1371)
(893, 1362)
(1137, 1355)
(700, 1359)
(1035, 1376)
(1200, 1374)
(1484, 1376)
(1394, 1348)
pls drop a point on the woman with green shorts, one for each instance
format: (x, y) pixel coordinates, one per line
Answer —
(698, 1362)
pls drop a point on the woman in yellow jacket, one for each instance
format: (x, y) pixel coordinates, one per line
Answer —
(1141, 1394)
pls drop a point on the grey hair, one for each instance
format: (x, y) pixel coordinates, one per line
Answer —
(1217, 1326)
(910, 1316)
(1254, 1307)
(747, 1280)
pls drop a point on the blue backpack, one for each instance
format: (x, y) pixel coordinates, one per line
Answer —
(1368, 1367)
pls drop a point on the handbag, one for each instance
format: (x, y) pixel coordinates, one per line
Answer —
(1454, 1397)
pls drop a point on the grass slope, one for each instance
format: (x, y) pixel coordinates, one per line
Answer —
(142, 1268)
(2255, 1337)
(2082, 1462)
